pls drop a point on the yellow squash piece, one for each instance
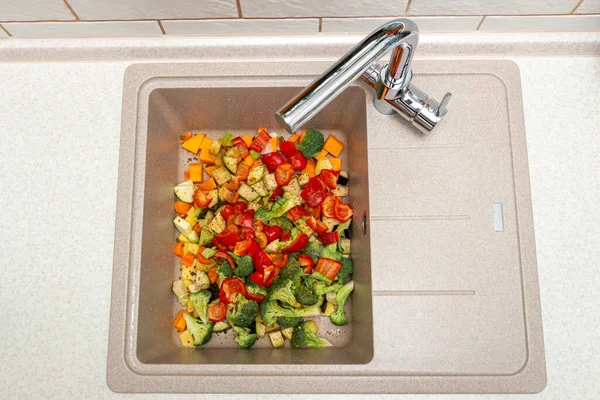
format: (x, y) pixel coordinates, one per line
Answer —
(186, 339)
(333, 145)
(193, 144)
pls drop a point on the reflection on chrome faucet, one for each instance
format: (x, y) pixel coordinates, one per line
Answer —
(392, 81)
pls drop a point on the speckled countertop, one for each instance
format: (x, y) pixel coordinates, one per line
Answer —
(59, 151)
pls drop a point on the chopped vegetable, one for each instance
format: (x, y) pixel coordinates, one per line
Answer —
(193, 143)
(333, 145)
(179, 321)
(312, 143)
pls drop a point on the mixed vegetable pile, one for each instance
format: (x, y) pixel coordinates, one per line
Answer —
(264, 239)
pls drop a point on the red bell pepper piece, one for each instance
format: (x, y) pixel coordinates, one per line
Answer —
(298, 161)
(242, 173)
(260, 141)
(261, 260)
(288, 149)
(248, 233)
(298, 244)
(328, 267)
(247, 218)
(257, 277)
(277, 192)
(316, 225)
(330, 177)
(272, 232)
(279, 260)
(227, 211)
(240, 206)
(246, 247)
(256, 297)
(228, 238)
(269, 275)
(297, 212)
(284, 174)
(239, 143)
(329, 237)
(314, 211)
(315, 192)
(224, 256)
(230, 289)
(201, 199)
(328, 206)
(342, 211)
(286, 235)
(272, 160)
(307, 263)
(258, 226)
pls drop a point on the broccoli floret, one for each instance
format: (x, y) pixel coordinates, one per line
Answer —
(346, 271)
(320, 287)
(200, 301)
(224, 270)
(288, 322)
(305, 296)
(253, 288)
(201, 332)
(282, 290)
(291, 270)
(244, 338)
(312, 143)
(331, 252)
(244, 266)
(304, 337)
(243, 313)
(270, 311)
(339, 316)
(313, 249)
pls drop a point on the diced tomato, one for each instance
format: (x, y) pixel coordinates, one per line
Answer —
(242, 172)
(272, 160)
(277, 192)
(342, 211)
(298, 161)
(329, 237)
(261, 239)
(240, 207)
(288, 149)
(217, 312)
(297, 212)
(228, 238)
(286, 235)
(316, 225)
(261, 260)
(256, 297)
(221, 255)
(247, 218)
(202, 199)
(298, 244)
(307, 263)
(260, 141)
(239, 143)
(328, 267)
(284, 174)
(328, 206)
(279, 260)
(248, 233)
(330, 177)
(227, 211)
(230, 287)
(272, 232)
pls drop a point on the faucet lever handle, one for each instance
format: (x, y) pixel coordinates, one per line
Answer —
(441, 110)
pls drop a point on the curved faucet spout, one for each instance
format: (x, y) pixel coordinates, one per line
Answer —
(399, 36)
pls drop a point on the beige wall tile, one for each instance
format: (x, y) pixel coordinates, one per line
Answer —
(154, 9)
(589, 7)
(33, 10)
(426, 24)
(84, 29)
(321, 8)
(241, 26)
(543, 23)
(486, 7)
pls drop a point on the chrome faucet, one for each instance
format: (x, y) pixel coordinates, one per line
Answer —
(392, 82)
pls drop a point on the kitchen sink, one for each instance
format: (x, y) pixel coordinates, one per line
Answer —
(446, 297)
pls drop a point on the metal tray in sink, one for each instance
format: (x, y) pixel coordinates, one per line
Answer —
(446, 296)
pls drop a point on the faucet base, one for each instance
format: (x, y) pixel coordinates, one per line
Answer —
(383, 107)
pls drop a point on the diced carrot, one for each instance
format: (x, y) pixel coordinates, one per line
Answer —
(247, 140)
(193, 144)
(182, 207)
(301, 136)
(336, 164)
(197, 228)
(199, 257)
(185, 137)
(311, 165)
(206, 157)
(209, 170)
(321, 155)
(248, 161)
(186, 175)
(196, 172)
(179, 321)
(274, 143)
(178, 250)
(213, 275)
(206, 143)
(294, 138)
(188, 259)
(207, 185)
(256, 163)
(333, 145)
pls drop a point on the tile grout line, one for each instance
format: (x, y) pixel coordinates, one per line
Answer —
(71, 9)
(5, 30)
(239, 8)
(160, 25)
(321, 24)
(577, 6)
(480, 23)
